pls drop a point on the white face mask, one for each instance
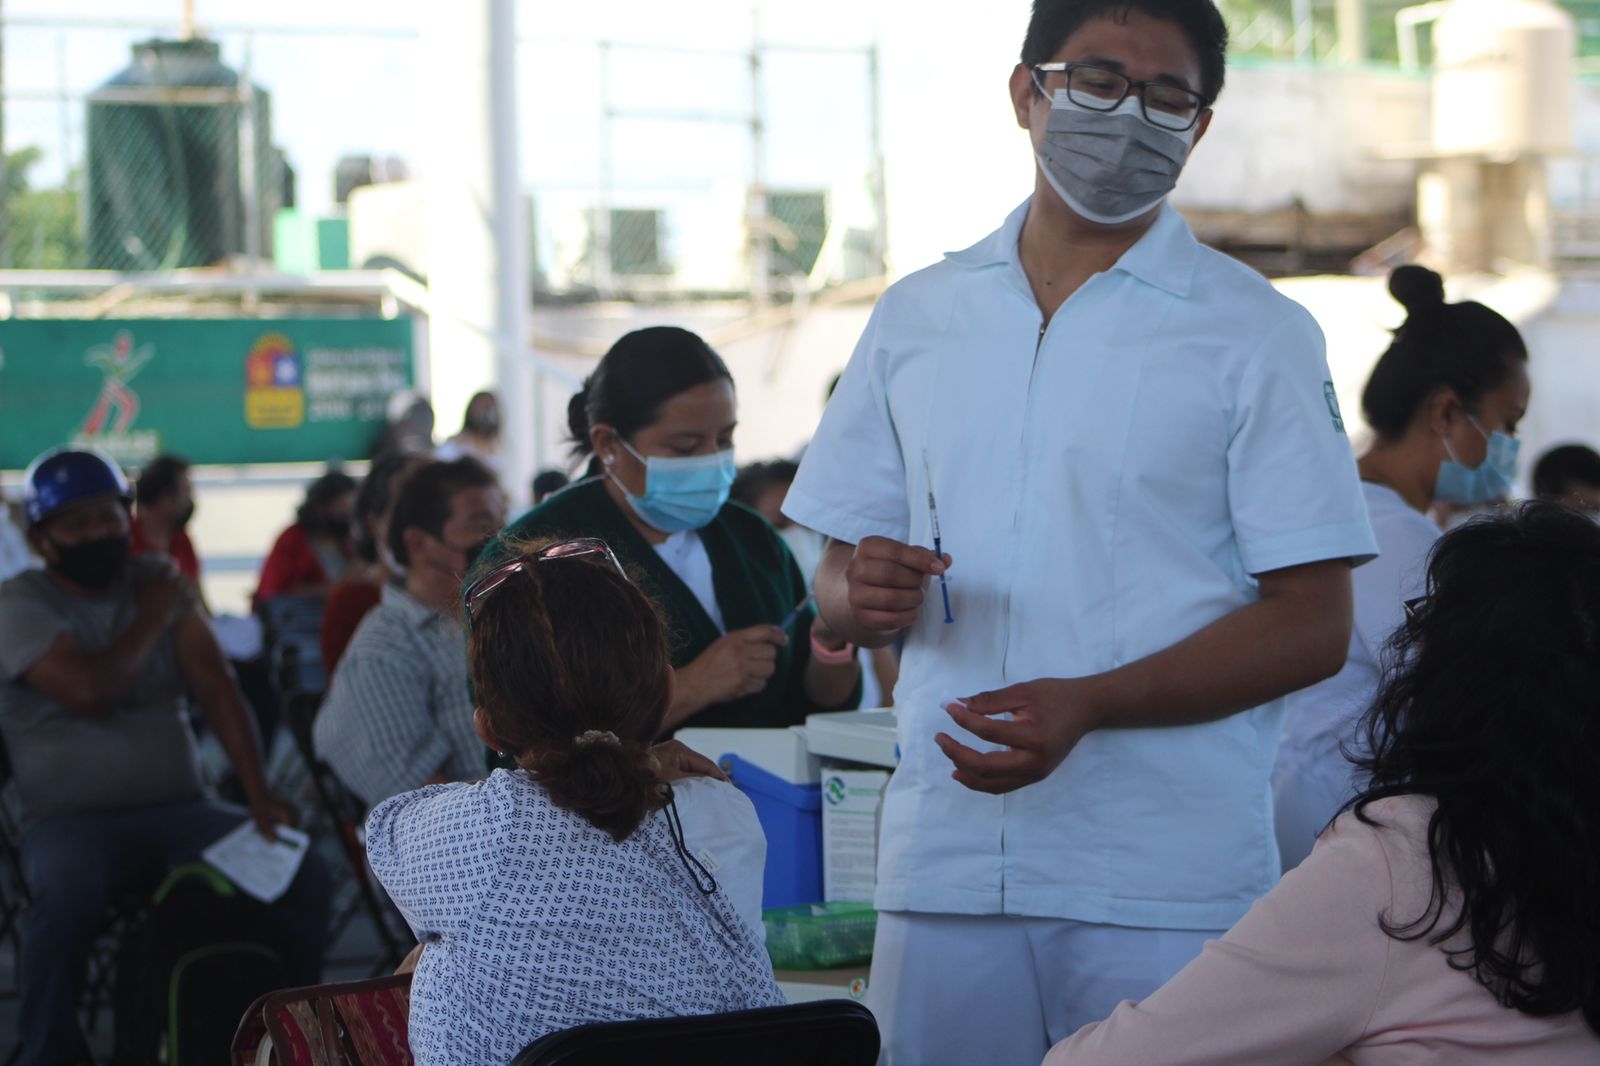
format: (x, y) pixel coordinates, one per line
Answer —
(1111, 166)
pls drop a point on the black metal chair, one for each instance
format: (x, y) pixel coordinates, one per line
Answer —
(833, 1032)
(344, 815)
(13, 889)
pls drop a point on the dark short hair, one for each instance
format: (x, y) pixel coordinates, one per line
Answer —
(375, 496)
(159, 478)
(1055, 21)
(1560, 470)
(423, 499)
(640, 373)
(756, 478)
(321, 492)
(548, 482)
(1467, 348)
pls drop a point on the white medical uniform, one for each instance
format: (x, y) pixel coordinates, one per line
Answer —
(1313, 778)
(1107, 487)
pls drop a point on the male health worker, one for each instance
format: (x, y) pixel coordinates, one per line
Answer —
(1150, 510)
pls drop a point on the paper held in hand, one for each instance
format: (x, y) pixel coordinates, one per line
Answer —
(260, 867)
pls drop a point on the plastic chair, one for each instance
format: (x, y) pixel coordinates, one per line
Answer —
(835, 1032)
(353, 1023)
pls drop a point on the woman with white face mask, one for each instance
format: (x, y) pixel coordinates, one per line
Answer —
(1444, 401)
(657, 417)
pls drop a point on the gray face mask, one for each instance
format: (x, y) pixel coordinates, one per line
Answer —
(1110, 166)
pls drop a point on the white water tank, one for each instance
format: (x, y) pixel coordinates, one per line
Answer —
(1504, 76)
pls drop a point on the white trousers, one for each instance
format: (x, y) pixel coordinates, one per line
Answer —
(994, 990)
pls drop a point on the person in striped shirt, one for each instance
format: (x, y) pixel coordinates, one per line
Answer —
(398, 714)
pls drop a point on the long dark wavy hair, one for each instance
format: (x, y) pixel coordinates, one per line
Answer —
(1491, 704)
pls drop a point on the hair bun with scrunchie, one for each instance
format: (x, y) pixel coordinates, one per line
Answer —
(1416, 288)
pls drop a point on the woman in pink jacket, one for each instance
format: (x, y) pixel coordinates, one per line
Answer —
(1451, 914)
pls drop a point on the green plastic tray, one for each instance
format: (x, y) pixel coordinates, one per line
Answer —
(820, 936)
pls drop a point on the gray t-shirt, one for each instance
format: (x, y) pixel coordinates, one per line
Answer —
(140, 753)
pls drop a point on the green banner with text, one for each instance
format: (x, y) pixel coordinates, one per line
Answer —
(216, 391)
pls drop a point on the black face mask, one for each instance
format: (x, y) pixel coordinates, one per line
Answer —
(94, 564)
(184, 517)
(337, 528)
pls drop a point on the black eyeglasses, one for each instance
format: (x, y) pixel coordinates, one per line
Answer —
(567, 549)
(1171, 107)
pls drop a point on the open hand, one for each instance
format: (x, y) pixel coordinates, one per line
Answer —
(1048, 718)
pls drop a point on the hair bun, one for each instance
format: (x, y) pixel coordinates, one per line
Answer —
(578, 415)
(1416, 288)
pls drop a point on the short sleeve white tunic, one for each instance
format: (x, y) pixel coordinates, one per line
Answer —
(1106, 486)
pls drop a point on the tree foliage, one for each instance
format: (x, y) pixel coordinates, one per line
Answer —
(40, 228)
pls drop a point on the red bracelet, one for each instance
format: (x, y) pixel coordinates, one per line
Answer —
(830, 656)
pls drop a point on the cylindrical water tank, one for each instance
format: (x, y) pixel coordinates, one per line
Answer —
(1504, 73)
(166, 181)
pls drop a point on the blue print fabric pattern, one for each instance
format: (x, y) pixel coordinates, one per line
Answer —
(537, 921)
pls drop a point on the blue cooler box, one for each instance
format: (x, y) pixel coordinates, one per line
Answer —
(791, 816)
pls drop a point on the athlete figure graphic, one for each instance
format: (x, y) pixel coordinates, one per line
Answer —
(120, 363)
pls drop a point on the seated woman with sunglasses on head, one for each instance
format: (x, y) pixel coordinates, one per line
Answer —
(1449, 915)
(562, 892)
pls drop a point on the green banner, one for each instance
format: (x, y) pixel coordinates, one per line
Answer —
(216, 391)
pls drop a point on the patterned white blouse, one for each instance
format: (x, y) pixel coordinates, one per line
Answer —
(538, 921)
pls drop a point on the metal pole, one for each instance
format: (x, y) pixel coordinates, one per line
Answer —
(5, 170)
(880, 196)
(249, 173)
(477, 260)
(1303, 30)
(1350, 18)
(600, 231)
(756, 202)
(522, 439)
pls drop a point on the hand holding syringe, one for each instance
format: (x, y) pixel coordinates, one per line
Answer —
(938, 546)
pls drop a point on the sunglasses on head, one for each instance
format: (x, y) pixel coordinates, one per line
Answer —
(567, 549)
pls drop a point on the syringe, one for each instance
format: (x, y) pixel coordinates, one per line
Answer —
(938, 547)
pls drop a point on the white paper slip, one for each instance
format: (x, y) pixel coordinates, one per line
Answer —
(261, 867)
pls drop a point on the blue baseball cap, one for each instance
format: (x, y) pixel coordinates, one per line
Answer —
(62, 477)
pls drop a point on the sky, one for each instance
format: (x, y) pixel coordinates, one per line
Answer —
(955, 161)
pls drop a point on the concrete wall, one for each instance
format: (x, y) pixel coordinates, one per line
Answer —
(1283, 132)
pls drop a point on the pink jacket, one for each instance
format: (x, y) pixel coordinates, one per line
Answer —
(1307, 978)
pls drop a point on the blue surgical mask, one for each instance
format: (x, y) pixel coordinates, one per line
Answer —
(1490, 480)
(680, 494)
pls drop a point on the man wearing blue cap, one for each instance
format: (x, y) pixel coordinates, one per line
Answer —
(97, 653)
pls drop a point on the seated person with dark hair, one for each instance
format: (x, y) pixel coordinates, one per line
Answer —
(1447, 917)
(1569, 474)
(163, 505)
(570, 888)
(398, 715)
(97, 652)
(309, 556)
(360, 590)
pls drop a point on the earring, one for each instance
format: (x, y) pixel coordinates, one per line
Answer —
(608, 460)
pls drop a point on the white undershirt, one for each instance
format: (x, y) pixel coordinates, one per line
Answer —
(686, 554)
